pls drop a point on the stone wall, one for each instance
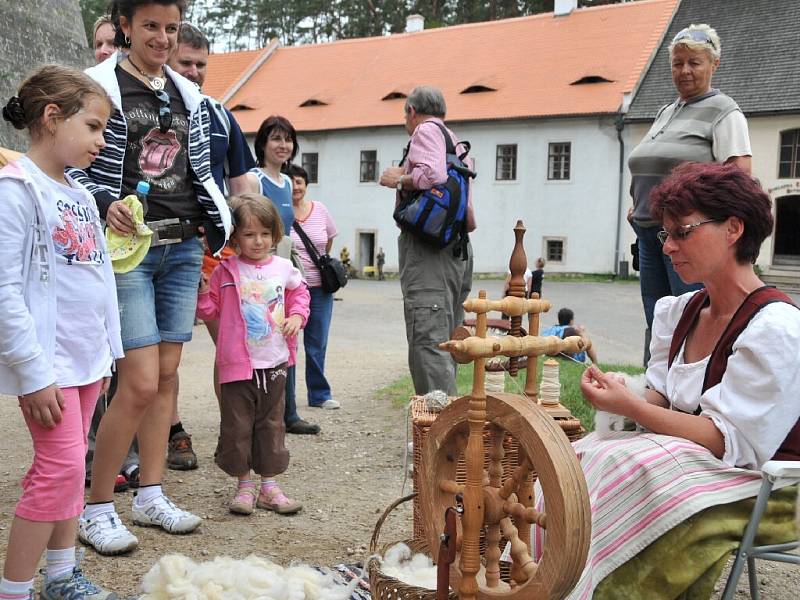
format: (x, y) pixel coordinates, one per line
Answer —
(33, 32)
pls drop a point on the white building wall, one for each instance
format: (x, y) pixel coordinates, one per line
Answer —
(581, 211)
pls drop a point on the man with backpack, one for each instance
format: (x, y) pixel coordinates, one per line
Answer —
(434, 211)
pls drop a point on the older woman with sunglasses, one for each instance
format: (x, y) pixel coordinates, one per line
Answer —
(701, 125)
(721, 398)
(159, 133)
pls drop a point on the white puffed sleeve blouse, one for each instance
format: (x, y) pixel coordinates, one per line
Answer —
(758, 400)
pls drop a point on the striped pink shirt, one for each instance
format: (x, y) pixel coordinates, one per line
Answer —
(319, 227)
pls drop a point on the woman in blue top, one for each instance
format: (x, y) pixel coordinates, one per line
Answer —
(276, 146)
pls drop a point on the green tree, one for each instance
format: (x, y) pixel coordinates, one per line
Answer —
(90, 10)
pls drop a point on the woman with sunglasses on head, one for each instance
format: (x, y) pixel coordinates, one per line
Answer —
(702, 125)
(159, 133)
(720, 401)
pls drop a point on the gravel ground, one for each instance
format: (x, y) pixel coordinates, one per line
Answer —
(349, 473)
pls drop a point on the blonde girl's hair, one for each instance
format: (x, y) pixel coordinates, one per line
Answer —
(698, 37)
(259, 207)
(65, 87)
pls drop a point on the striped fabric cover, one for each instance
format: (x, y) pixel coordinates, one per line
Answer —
(641, 485)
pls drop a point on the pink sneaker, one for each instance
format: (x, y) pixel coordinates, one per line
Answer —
(274, 499)
(243, 502)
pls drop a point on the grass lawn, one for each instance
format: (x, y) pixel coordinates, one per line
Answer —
(399, 391)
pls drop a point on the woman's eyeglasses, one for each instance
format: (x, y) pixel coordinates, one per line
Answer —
(164, 112)
(681, 232)
(694, 34)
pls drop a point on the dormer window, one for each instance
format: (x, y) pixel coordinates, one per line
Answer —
(314, 102)
(591, 79)
(477, 89)
(242, 106)
(395, 96)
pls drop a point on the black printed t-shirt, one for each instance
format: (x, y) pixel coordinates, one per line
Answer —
(161, 159)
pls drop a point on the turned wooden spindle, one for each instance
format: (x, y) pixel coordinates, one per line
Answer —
(473, 347)
(472, 519)
(493, 535)
(533, 361)
(524, 480)
(509, 305)
(517, 264)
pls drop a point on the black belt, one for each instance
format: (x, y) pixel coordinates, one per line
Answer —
(173, 231)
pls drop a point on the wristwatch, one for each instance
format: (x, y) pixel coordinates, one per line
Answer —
(399, 185)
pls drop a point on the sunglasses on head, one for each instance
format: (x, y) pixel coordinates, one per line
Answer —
(164, 112)
(694, 34)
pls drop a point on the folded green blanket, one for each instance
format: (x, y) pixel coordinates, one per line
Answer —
(687, 561)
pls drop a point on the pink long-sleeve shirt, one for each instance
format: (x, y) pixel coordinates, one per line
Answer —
(223, 301)
(426, 161)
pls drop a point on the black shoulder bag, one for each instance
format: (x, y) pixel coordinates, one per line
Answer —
(331, 270)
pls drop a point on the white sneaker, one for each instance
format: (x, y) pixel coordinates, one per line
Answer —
(161, 512)
(330, 404)
(106, 534)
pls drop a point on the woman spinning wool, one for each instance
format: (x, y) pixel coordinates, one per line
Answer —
(722, 378)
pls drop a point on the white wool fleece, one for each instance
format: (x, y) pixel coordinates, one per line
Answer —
(177, 577)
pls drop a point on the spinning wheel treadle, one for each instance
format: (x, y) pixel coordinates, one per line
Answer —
(504, 507)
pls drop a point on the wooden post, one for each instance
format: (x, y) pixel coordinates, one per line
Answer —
(516, 286)
(472, 520)
(533, 361)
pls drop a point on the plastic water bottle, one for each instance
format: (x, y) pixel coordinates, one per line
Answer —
(142, 189)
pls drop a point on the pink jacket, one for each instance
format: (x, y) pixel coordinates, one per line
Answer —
(222, 302)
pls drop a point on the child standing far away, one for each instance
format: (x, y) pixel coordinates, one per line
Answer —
(261, 302)
(537, 277)
(60, 321)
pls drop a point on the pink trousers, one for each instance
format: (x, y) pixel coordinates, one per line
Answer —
(53, 488)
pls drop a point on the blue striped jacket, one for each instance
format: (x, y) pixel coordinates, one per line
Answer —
(104, 177)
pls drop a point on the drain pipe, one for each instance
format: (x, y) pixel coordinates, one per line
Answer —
(620, 125)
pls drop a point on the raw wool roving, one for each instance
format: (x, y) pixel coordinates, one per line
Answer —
(417, 570)
(606, 423)
(177, 577)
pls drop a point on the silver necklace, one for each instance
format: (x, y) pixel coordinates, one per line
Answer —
(157, 83)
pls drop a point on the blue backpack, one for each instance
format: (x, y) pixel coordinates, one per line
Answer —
(438, 216)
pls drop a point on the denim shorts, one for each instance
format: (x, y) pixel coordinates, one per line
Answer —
(157, 299)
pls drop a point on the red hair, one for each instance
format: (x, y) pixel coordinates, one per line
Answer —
(717, 191)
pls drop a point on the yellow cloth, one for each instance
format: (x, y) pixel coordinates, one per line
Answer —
(127, 251)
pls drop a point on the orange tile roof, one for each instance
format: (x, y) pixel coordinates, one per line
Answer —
(225, 69)
(530, 61)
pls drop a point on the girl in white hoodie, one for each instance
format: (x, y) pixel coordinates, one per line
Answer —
(58, 307)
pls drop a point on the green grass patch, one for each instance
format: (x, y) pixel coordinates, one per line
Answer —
(399, 391)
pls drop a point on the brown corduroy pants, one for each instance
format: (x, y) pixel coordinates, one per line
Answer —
(251, 430)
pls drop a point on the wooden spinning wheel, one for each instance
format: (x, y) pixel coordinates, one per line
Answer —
(504, 507)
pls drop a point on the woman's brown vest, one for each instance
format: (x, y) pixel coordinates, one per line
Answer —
(758, 299)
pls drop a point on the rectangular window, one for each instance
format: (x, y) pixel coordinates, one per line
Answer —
(369, 166)
(554, 250)
(310, 161)
(506, 169)
(558, 161)
(789, 159)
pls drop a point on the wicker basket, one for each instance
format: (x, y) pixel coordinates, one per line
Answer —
(383, 587)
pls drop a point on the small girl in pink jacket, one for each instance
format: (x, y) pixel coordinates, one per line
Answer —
(261, 302)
